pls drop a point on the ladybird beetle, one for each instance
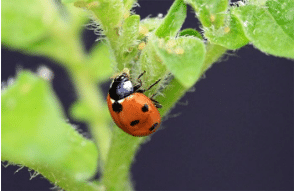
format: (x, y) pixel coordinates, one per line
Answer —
(131, 110)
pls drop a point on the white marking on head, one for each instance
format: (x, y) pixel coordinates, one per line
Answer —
(128, 85)
(112, 101)
(120, 101)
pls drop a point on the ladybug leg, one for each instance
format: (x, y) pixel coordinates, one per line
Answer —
(156, 103)
(137, 87)
(153, 96)
(153, 85)
(141, 75)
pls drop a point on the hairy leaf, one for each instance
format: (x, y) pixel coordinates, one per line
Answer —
(191, 32)
(99, 62)
(129, 4)
(231, 35)
(152, 64)
(210, 13)
(173, 21)
(268, 34)
(35, 134)
(283, 13)
(24, 22)
(109, 14)
(128, 40)
(183, 56)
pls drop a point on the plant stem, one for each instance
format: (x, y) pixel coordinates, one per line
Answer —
(102, 134)
(110, 13)
(90, 95)
(121, 154)
(124, 146)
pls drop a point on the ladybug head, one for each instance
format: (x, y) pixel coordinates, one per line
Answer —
(123, 77)
(121, 87)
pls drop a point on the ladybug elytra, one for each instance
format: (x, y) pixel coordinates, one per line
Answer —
(131, 110)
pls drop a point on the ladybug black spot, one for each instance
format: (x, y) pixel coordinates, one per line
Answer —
(116, 107)
(153, 127)
(145, 108)
(133, 123)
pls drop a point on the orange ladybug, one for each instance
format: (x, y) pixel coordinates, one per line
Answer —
(131, 110)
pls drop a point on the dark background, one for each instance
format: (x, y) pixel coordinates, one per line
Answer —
(234, 131)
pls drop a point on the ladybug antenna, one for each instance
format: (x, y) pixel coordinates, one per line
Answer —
(153, 85)
(141, 75)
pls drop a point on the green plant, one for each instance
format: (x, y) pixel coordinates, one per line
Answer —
(43, 141)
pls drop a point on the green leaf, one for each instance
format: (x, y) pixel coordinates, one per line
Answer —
(68, 1)
(130, 31)
(256, 2)
(73, 1)
(99, 62)
(151, 63)
(183, 57)
(210, 13)
(109, 14)
(264, 31)
(73, 19)
(173, 21)
(129, 4)
(213, 54)
(35, 134)
(26, 22)
(127, 42)
(220, 27)
(51, 29)
(230, 36)
(191, 32)
(283, 13)
(150, 24)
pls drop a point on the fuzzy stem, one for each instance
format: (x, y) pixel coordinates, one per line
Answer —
(110, 15)
(124, 146)
(90, 95)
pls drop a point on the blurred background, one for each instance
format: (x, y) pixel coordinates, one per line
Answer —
(232, 131)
